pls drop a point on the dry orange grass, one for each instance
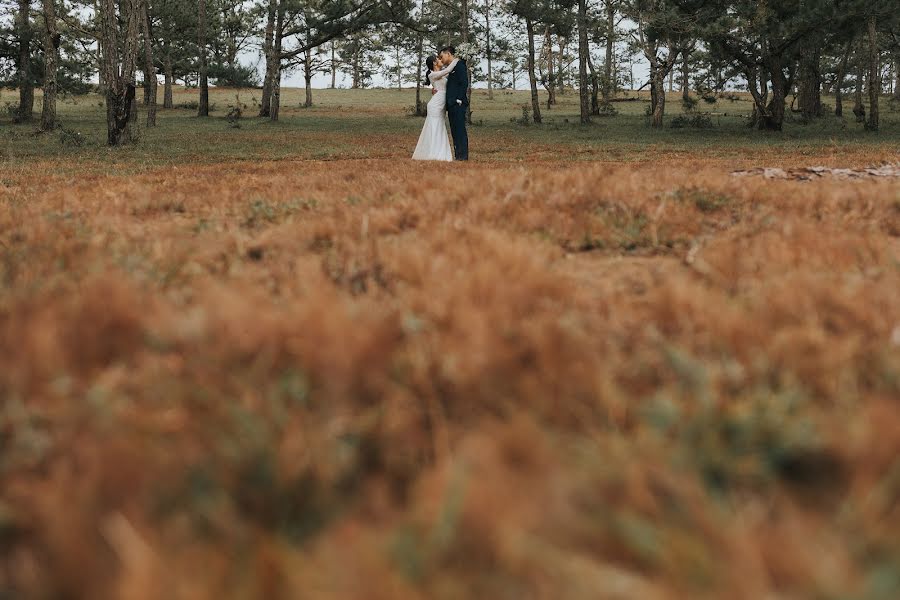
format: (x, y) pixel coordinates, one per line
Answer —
(327, 380)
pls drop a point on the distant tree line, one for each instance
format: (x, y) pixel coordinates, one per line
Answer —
(787, 54)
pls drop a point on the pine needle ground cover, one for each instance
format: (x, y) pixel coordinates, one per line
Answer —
(282, 361)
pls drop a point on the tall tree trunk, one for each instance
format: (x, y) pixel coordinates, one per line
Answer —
(269, 53)
(551, 75)
(25, 33)
(169, 73)
(149, 66)
(872, 123)
(595, 86)
(490, 58)
(859, 108)
(532, 77)
(773, 119)
(608, 82)
(420, 50)
(561, 66)
(203, 109)
(658, 92)
(119, 66)
(307, 77)
(51, 65)
(810, 85)
(897, 80)
(686, 77)
(839, 82)
(333, 67)
(583, 51)
(275, 104)
(464, 6)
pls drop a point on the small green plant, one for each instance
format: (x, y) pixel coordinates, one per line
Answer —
(706, 201)
(235, 112)
(689, 103)
(606, 109)
(525, 119)
(70, 137)
(698, 121)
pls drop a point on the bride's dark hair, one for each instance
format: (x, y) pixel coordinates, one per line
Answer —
(429, 64)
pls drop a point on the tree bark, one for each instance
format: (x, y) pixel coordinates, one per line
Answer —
(119, 66)
(608, 82)
(839, 82)
(149, 66)
(658, 95)
(203, 109)
(269, 53)
(551, 75)
(168, 99)
(686, 77)
(333, 67)
(584, 92)
(595, 86)
(51, 66)
(25, 111)
(275, 104)
(872, 123)
(810, 85)
(307, 78)
(532, 78)
(490, 58)
(773, 118)
(859, 108)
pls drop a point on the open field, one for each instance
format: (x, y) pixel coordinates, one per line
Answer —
(284, 361)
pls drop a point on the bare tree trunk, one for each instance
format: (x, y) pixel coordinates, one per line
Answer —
(25, 111)
(773, 119)
(810, 86)
(119, 66)
(269, 53)
(551, 75)
(203, 109)
(874, 77)
(333, 67)
(307, 77)
(897, 80)
(275, 104)
(583, 51)
(51, 65)
(532, 78)
(839, 82)
(658, 93)
(686, 77)
(149, 66)
(595, 86)
(490, 58)
(168, 99)
(859, 108)
(607, 87)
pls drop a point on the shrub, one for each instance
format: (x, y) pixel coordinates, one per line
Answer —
(70, 137)
(698, 121)
(235, 112)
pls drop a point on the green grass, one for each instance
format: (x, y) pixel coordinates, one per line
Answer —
(355, 124)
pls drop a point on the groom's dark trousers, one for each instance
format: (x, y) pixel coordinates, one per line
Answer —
(458, 131)
(457, 101)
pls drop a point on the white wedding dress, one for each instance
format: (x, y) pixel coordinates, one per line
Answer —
(434, 144)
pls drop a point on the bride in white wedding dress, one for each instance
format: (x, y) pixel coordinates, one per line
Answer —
(434, 143)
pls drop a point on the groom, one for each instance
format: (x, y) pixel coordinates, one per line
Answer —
(457, 102)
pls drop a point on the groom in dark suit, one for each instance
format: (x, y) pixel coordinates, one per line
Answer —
(457, 102)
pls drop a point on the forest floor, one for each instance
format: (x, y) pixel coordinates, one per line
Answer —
(283, 360)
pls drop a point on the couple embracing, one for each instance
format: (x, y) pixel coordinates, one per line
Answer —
(449, 77)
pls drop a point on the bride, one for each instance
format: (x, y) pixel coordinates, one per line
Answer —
(434, 143)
